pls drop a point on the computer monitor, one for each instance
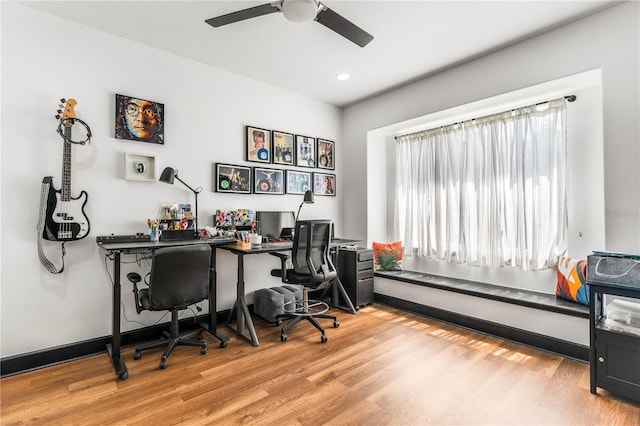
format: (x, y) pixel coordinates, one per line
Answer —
(271, 223)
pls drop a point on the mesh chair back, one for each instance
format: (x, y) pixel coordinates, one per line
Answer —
(311, 250)
(179, 276)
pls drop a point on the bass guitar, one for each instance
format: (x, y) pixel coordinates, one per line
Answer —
(65, 219)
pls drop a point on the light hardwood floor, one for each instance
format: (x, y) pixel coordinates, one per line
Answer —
(380, 367)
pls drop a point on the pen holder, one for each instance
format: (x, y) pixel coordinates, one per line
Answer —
(244, 245)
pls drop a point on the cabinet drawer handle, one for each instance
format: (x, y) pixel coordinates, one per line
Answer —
(600, 359)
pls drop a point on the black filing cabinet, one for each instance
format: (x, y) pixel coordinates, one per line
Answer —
(355, 269)
(615, 342)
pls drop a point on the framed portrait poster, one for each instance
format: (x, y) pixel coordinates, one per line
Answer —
(283, 147)
(231, 178)
(268, 181)
(305, 151)
(258, 144)
(298, 182)
(139, 120)
(326, 154)
(324, 184)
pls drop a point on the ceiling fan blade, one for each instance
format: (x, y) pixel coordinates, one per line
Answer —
(342, 26)
(241, 15)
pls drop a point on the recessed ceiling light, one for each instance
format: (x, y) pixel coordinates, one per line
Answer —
(343, 76)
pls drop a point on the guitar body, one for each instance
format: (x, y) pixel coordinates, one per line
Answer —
(64, 220)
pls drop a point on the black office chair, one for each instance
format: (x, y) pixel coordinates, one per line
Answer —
(312, 267)
(179, 278)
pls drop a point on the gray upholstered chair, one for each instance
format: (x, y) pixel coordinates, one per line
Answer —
(179, 278)
(312, 267)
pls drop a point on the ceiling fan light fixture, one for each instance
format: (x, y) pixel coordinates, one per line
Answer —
(299, 11)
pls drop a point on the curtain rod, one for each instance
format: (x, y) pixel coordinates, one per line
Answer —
(569, 98)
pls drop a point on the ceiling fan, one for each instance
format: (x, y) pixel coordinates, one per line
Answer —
(300, 11)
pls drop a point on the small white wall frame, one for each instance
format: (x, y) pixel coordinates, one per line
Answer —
(140, 167)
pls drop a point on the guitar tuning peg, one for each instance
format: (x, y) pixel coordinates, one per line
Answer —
(60, 106)
(58, 116)
(59, 111)
(63, 100)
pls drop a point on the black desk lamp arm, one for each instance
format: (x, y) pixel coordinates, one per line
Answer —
(195, 192)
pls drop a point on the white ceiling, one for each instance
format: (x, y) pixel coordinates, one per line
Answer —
(413, 39)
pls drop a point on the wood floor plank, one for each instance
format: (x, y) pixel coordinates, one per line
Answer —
(380, 367)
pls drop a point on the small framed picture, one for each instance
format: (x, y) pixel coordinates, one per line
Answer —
(231, 178)
(305, 151)
(139, 120)
(282, 148)
(324, 184)
(258, 144)
(326, 154)
(298, 182)
(268, 181)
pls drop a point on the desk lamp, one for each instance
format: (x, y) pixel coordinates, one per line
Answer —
(167, 176)
(308, 199)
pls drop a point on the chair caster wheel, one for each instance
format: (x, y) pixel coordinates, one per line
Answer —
(163, 363)
(203, 350)
(137, 355)
(336, 324)
(223, 344)
(324, 338)
(123, 375)
(283, 337)
(278, 323)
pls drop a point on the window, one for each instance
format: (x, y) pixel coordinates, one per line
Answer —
(486, 192)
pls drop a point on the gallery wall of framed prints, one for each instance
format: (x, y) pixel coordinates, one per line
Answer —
(279, 148)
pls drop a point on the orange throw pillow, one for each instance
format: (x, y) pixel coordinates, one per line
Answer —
(387, 257)
(571, 284)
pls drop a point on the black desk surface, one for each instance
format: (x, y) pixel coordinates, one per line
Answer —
(280, 246)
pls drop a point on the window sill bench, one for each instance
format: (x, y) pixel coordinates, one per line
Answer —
(531, 299)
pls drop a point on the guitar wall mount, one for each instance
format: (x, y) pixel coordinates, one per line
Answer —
(73, 120)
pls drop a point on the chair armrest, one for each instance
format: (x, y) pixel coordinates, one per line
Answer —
(284, 257)
(135, 278)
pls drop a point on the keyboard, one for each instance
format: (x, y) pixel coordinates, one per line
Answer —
(121, 238)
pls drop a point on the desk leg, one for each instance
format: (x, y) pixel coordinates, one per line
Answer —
(113, 349)
(241, 309)
(212, 325)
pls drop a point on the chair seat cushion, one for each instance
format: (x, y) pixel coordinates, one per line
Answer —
(297, 278)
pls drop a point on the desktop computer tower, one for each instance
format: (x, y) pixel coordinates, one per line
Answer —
(355, 270)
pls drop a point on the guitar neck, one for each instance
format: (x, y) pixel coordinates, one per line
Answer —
(65, 191)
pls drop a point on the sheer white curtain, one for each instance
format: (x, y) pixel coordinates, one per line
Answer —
(487, 192)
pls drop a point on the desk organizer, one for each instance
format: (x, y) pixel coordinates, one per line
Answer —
(244, 245)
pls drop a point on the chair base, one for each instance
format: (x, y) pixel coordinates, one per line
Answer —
(171, 340)
(312, 319)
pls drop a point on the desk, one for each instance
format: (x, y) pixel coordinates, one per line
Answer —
(240, 308)
(117, 250)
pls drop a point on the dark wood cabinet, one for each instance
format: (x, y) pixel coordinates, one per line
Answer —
(614, 345)
(355, 270)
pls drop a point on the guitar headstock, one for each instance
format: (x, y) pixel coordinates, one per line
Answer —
(68, 113)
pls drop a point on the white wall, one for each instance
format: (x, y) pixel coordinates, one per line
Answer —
(608, 42)
(45, 58)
